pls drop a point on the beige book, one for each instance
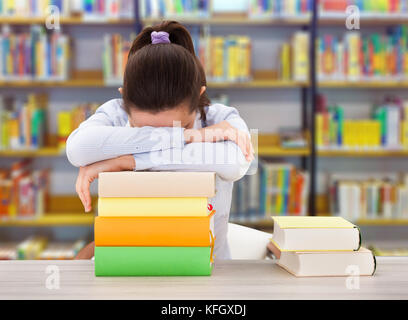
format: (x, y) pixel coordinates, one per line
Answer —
(129, 184)
(327, 263)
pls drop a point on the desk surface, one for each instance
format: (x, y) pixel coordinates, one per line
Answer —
(230, 280)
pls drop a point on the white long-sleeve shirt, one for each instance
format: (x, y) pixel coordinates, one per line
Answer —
(107, 135)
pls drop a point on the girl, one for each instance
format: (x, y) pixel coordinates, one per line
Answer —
(164, 122)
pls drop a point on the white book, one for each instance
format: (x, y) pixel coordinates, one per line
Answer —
(326, 264)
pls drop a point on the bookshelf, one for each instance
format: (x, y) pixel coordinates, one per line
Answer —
(239, 20)
(66, 21)
(52, 219)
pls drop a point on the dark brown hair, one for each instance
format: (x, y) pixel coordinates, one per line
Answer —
(159, 77)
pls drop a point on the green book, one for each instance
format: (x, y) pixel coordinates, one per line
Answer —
(152, 261)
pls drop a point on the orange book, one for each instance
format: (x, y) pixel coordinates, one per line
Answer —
(154, 231)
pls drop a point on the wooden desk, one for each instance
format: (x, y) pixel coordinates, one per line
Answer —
(230, 280)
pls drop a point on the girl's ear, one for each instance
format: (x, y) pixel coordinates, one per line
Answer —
(121, 91)
(203, 88)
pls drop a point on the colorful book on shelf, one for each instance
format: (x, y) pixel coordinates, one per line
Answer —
(315, 234)
(153, 261)
(68, 121)
(174, 9)
(23, 125)
(279, 8)
(115, 55)
(88, 9)
(34, 55)
(224, 58)
(383, 131)
(356, 56)
(154, 231)
(325, 263)
(23, 192)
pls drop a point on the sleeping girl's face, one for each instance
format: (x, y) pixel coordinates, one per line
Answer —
(181, 114)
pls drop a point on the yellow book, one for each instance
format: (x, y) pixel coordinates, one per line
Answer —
(319, 130)
(300, 61)
(294, 233)
(376, 128)
(64, 127)
(279, 196)
(232, 59)
(404, 134)
(353, 54)
(244, 58)
(285, 62)
(159, 207)
(218, 66)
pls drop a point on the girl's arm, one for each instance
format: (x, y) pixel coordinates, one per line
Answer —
(105, 136)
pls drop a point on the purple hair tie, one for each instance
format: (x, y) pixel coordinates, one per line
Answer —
(160, 37)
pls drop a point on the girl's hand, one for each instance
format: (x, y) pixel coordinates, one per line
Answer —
(89, 173)
(222, 131)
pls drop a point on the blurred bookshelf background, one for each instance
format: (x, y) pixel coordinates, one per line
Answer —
(347, 155)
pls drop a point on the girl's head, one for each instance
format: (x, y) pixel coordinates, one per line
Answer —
(164, 81)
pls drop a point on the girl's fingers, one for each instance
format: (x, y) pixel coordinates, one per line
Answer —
(79, 189)
(87, 195)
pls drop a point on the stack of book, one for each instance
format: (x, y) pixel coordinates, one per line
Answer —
(89, 9)
(224, 58)
(23, 192)
(35, 55)
(367, 8)
(279, 8)
(115, 55)
(23, 126)
(275, 189)
(154, 223)
(174, 9)
(376, 56)
(68, 121)
(320, 246)
(387, 129)
(360, 197)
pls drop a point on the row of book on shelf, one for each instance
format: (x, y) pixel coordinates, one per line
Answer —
(275, 8)
(203, 9)
(367, 8)
(374, 56)
(360, 197)
(40, 248)
(270, 188)
(34, 55)
(24, 191)
(23, 124)
(387, 129)
(88, 9)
